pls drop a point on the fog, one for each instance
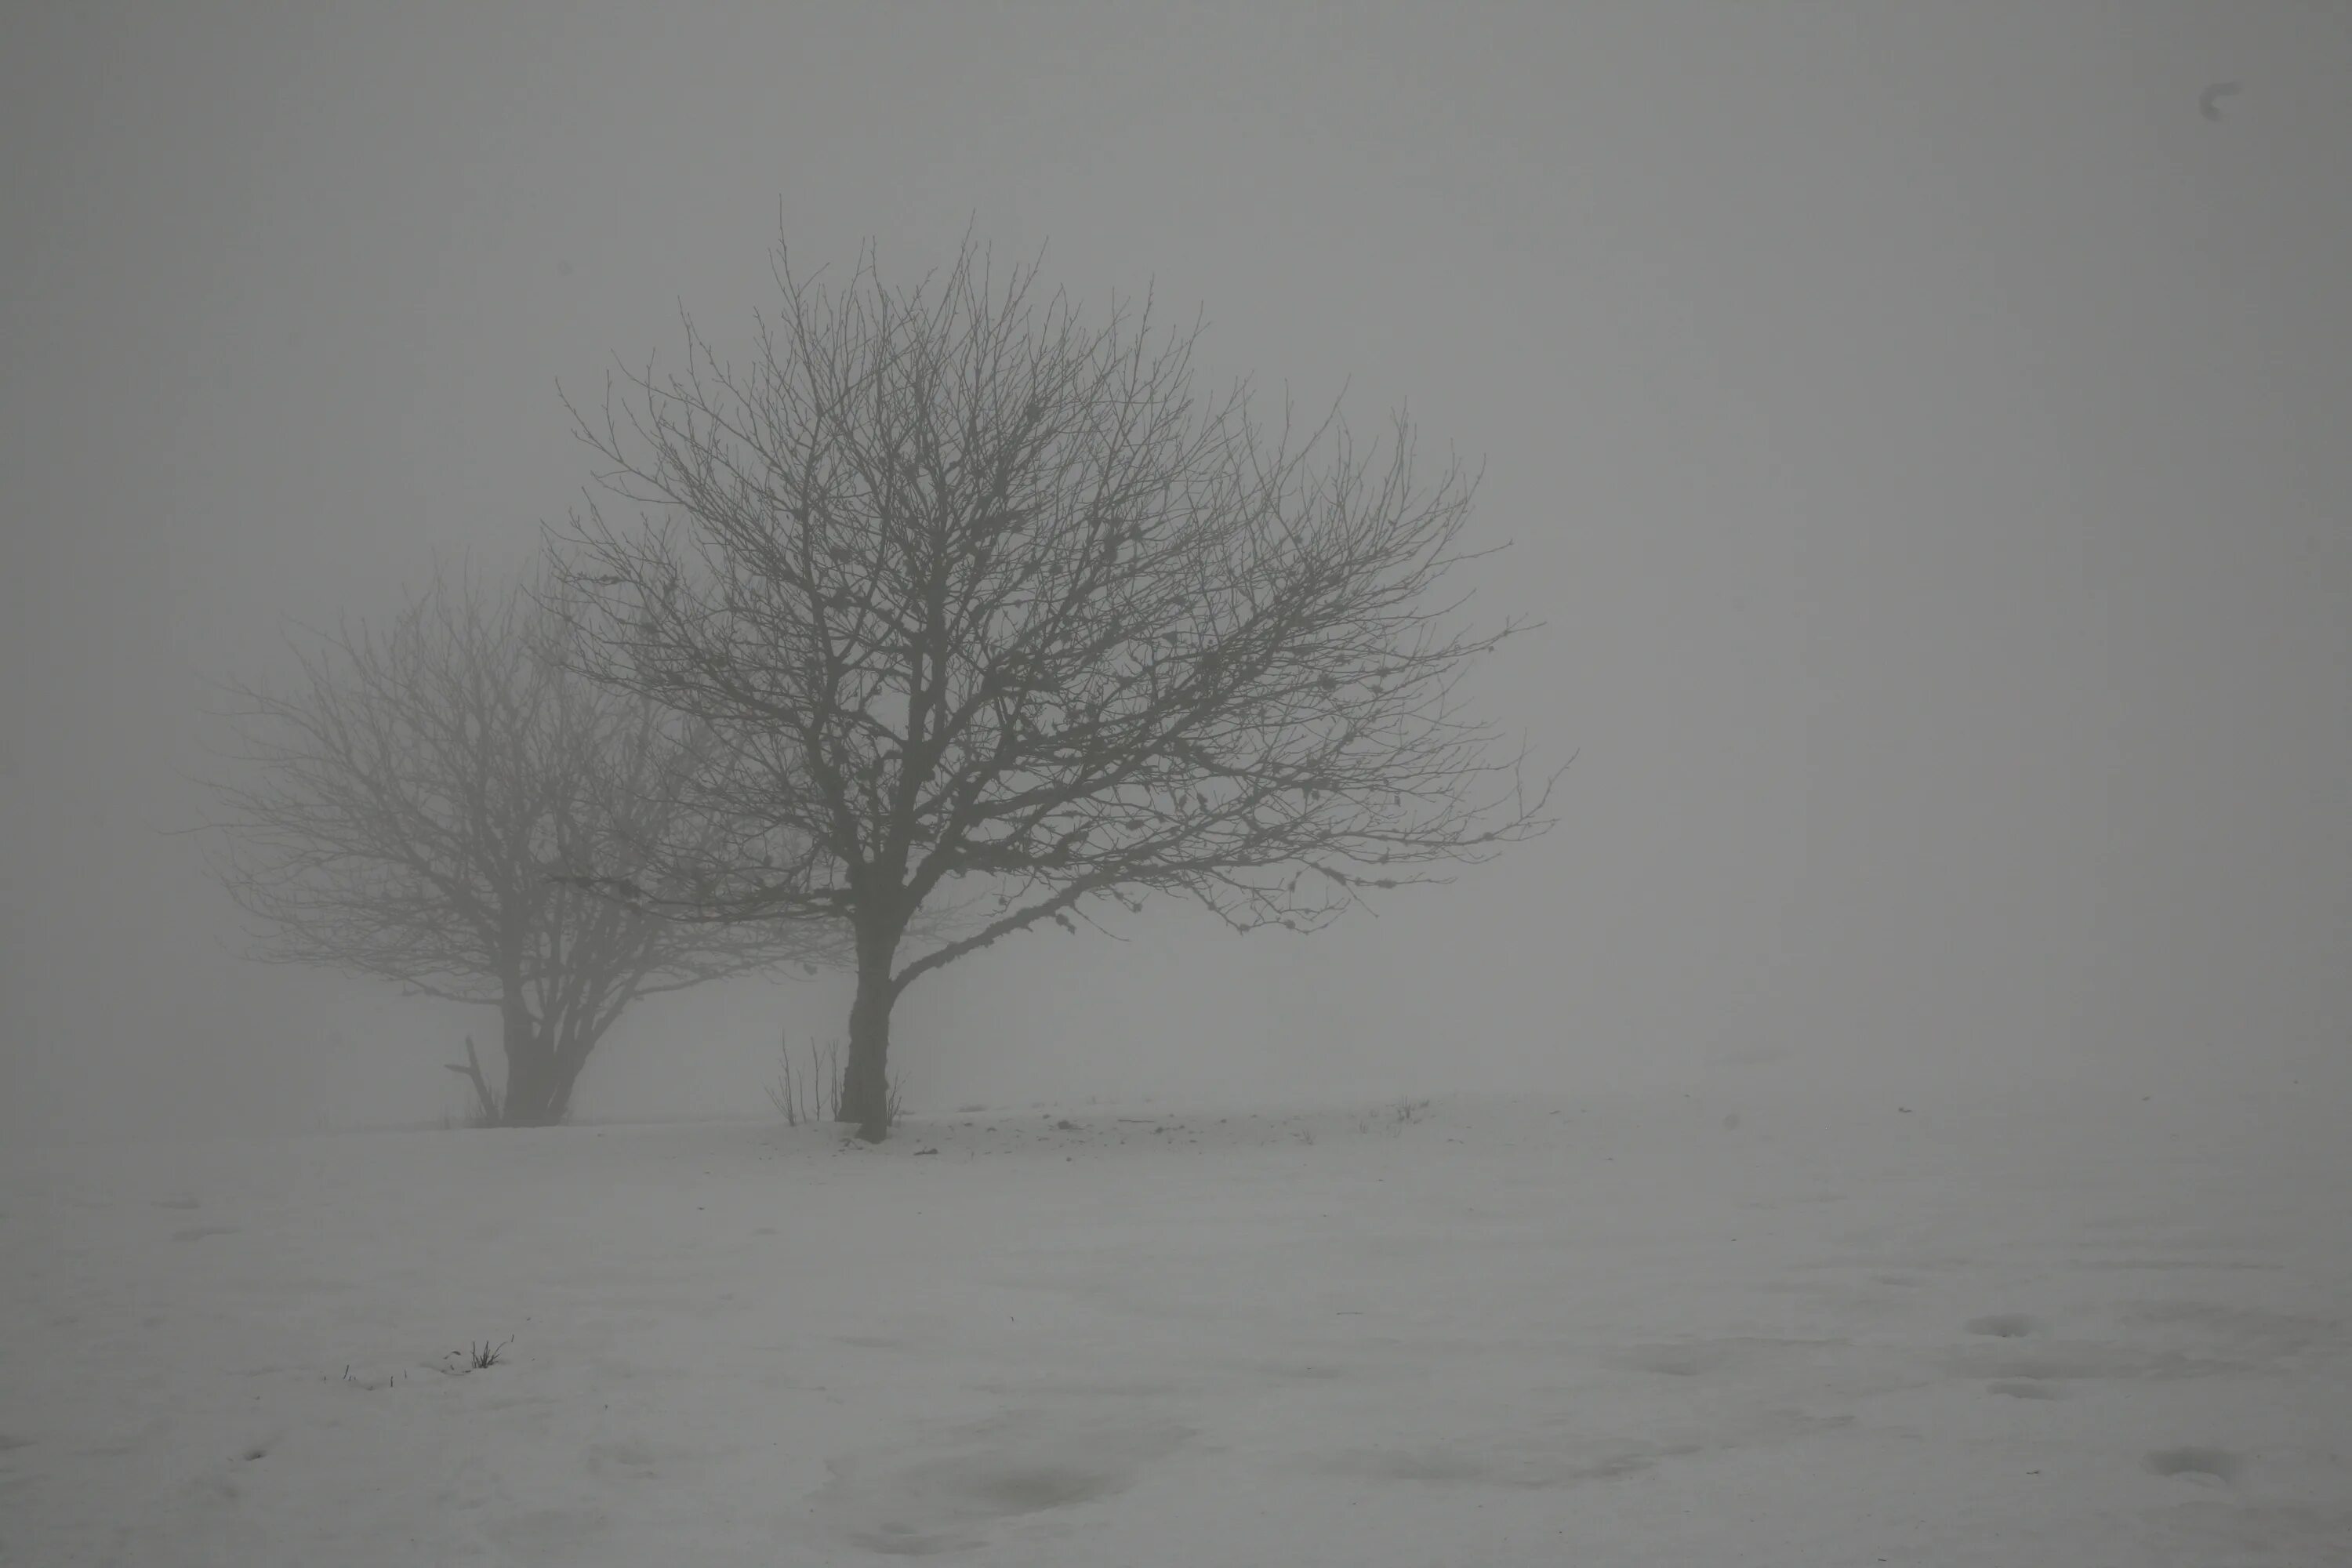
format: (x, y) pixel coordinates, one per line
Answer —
(1921, 430)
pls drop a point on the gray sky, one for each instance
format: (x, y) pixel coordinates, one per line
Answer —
(1922, 430)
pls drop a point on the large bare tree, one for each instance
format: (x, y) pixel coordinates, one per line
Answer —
(407, 810)
(967, 587)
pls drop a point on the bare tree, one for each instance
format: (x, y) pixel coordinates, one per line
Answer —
(967, 587)
(409, 806)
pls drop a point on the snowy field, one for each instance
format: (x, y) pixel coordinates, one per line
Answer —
(2064, 1329)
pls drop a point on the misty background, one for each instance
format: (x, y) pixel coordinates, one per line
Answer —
(1922, 430)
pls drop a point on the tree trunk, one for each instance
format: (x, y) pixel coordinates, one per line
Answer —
(865, 1078)
(550, 1104)
(539, 1081)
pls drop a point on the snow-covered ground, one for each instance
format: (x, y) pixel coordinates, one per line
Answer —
(1781, 1327)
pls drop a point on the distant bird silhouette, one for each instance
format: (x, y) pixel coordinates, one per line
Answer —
(2208, 102)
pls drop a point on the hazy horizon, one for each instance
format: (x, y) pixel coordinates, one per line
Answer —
(1920, 429)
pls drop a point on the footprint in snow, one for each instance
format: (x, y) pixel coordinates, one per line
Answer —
(916, 1505)
(2218, 1463)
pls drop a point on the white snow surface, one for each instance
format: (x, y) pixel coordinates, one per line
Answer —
(1786, 1326)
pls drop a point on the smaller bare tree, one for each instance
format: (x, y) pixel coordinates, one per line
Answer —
(402, 812)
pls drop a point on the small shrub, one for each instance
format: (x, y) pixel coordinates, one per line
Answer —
(807, 1093)
(812, 1090)
(484, 1110)
(476, 1357)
